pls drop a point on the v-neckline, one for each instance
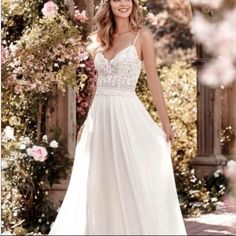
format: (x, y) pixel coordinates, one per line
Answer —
(117, 54)
(110, 60)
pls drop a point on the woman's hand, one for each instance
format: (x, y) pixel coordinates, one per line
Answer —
(169, 133)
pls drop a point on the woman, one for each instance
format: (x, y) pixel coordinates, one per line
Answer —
(122, 180)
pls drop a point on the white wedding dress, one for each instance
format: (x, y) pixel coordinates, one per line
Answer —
(122, 181)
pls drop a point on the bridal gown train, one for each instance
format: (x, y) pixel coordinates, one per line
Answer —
(122, 180)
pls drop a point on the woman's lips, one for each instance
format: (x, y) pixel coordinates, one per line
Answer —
(124, 10)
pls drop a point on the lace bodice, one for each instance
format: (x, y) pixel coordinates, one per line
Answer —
(121, 72)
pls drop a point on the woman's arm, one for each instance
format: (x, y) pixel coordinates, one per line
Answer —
(154, 84)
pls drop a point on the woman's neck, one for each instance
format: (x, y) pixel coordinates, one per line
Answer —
(122, 25)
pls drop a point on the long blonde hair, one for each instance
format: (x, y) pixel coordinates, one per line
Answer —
(105, 23)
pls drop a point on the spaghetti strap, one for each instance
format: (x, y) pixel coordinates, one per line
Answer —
(136, 37)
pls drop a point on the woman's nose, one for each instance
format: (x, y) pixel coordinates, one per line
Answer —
(123, 2)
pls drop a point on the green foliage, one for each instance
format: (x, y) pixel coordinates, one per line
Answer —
(179, 85)
(217, 183)
(19, 111)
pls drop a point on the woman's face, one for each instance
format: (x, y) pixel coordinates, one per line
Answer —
(121, 8)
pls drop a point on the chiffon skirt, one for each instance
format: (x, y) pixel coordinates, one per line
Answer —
(122, 181)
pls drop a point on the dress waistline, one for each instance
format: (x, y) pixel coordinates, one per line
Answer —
(115, 92)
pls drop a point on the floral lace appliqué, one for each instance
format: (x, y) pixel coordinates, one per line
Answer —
(121, 72)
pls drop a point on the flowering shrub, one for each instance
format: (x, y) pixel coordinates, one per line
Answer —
(20, 110)
(49, 53)
(46, 55)
(29, 170)
(217, 184)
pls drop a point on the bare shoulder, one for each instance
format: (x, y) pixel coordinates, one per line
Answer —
(146, 35)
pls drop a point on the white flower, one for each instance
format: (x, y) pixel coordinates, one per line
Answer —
(230, 170)
(8, 133)
(45, 138)
(13, 48)
(231, 164)
(27, 140)
(54, 144)
(29, 152)
(4, 164)
(22, 146)
(217, 173)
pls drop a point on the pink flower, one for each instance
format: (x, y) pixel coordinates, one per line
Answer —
(79, 99)
(152, 19)
(219, 71)
(203, 29)
(38, 153)
(81, 16)
(33, 86)
(85, 104)
(225, 36)
(49, 9)
(18, 89)
(81, 111)
(83, 56)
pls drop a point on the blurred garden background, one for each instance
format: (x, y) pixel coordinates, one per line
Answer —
(48, 79)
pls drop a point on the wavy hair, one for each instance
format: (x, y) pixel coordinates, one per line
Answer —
(105, 23)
